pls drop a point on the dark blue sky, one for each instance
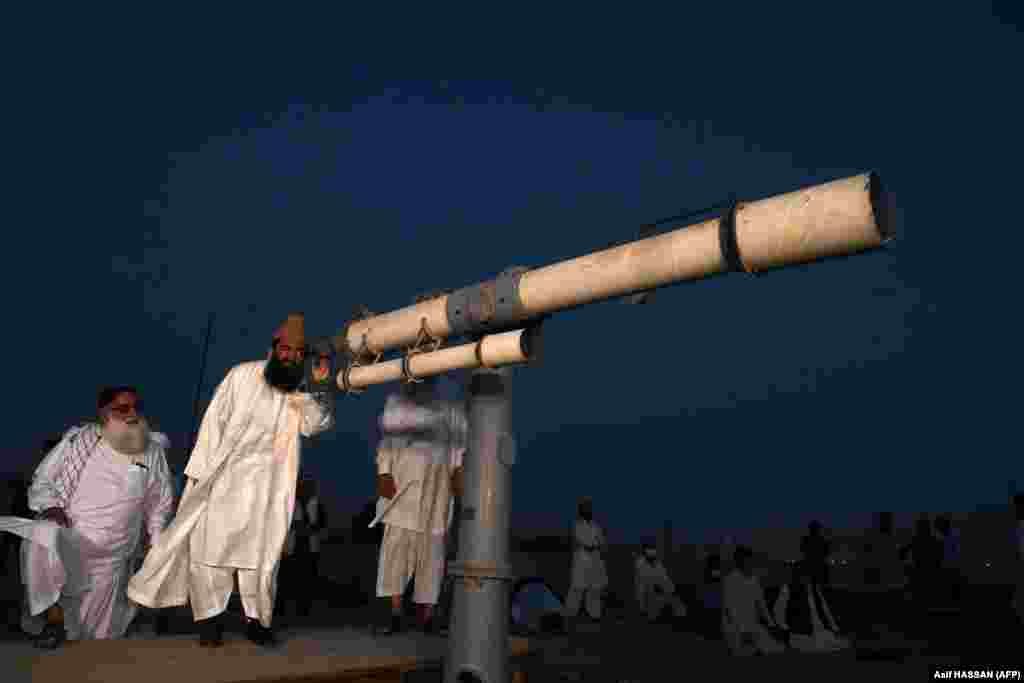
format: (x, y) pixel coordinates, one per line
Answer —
(164, 168)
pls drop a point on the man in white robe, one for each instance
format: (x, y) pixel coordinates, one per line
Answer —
(589, 576)
(802, 610)
(655, 590)
(237, 507)
(419, 468)
(95, 493)
(745, 617)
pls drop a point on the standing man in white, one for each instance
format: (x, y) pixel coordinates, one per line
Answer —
(589, 575)
(238, 503)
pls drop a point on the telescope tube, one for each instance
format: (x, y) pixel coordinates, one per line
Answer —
(837, 218)
(492, 351)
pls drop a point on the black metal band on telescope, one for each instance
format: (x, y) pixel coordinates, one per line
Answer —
(727, 239)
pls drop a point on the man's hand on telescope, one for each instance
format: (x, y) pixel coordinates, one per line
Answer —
(386, 486)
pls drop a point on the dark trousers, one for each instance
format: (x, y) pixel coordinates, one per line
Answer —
(299, 580)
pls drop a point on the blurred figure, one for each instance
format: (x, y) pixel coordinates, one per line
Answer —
(419, 473)
(300, 567)
(589, 576)
(747, 625)
(655, 591)
(951, 567)
(710, 621)
(803, 612)
(816, 550)
(923, 556)
(882, 552)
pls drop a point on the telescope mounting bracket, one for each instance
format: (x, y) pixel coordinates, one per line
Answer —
(425, 342)
(362, 352)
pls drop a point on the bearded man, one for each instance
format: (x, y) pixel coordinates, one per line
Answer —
(94, 492)
(237, 507)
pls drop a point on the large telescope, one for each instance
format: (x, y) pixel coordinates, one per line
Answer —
(833, 219)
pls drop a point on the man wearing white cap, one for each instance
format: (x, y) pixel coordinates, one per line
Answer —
(95, 493)
(234, 516)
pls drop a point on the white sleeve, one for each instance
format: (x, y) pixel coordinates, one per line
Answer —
(42, 492)
(458, 435)
(781, 603)
(385, 458)
(762, 606)
(214, 425)
(159, 500)
(638, 580)
(669, 584)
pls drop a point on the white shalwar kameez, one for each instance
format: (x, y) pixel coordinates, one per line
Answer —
(655, 590)
(589, 575)
(743, 610)
(237, 507)
(820, 639)
(422, 447)
(85, 568)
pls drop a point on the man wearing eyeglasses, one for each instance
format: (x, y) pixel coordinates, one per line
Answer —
(234, 516)
(95, 493)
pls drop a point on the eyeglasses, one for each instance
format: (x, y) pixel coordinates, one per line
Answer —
(125, 409)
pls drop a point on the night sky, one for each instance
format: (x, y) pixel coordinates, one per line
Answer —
(162, 168)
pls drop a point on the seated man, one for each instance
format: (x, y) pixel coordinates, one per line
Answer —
(746, 623)
(655, 591)
(95, 492)
(802, 610)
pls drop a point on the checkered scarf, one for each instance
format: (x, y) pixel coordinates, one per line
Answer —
(78, 445)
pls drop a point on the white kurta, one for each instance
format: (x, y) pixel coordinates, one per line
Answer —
(655, 590)
(820, 639)
(588, 569)
(87, 565)
(743, 610)
(237, 509)
(589, 577)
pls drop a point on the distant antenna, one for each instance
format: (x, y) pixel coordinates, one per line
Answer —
(199, 384)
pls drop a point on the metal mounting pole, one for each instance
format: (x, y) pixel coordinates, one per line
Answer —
(478, 646)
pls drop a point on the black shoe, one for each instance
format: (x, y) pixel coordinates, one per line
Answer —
(260, 634)
(52, 637)
(389, 626)
(211, 632)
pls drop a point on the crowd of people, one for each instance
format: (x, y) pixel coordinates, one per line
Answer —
(730, 603)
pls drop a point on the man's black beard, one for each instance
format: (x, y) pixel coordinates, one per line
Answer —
(282, 376)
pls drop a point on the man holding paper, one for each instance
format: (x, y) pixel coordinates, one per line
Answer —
(419, 468)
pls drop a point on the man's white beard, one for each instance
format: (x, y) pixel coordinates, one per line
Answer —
(129, 439)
